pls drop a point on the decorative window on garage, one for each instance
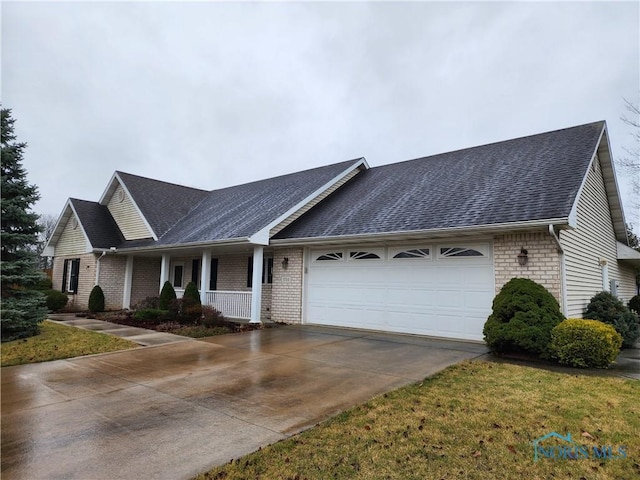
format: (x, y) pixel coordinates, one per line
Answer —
(364, 256)
(460, 252)
(329, 256)
(414, 253)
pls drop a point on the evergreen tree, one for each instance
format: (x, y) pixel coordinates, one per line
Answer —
(23, 308)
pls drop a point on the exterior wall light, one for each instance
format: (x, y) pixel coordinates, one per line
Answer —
(285, 263)
(523, 257)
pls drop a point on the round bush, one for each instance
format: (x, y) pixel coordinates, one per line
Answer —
(56, 300)
(96, 300)
(609, 309)
(524, 313)
(167, 295)
(585, 343)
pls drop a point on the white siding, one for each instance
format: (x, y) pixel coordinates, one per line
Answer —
(72, 241)
(627, 278)
(591, 241)
(126, 216)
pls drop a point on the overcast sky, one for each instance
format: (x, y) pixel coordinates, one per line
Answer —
(212, 94)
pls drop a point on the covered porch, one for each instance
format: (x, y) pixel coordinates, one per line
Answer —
(235, 280)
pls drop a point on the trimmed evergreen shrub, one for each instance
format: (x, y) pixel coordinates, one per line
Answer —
(191, 296)
(524, 313)
(56, 300)
(609, 309)
(96, 300)
(634, 304)
(585, 343)
(149, 314)
(167, 295)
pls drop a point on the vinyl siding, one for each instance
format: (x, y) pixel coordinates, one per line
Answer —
(126, 216)
(627, 278)
(290, 219)
(592, 241)
(72, 241)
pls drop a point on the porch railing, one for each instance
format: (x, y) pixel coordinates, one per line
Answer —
(230, 304)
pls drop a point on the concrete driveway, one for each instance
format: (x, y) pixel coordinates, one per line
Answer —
(173, 411)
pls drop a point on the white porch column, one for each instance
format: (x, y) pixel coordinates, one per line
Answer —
(204, 276)
(164, 269)
(256, 289)
(128, 281)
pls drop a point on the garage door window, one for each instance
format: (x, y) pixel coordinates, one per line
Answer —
(364, 256)
(460, 252)
(331, 256)
(413, 253)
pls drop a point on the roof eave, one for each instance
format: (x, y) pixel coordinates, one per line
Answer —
(184, 246)
(494, 228)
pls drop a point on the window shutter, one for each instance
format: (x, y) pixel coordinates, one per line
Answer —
(195, 270)
(213, 275)
(269, 271)
(65, 269)
(75, 273)
(250, 273)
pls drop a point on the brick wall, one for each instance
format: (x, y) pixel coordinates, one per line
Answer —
(86, 279)
(232, 272)
(112, 270)
(543, 266)
(287, 286)
(146, 278)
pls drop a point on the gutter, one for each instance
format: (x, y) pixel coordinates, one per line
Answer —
(181, 246)
(563, 270)
(98, 267)
(441, 232)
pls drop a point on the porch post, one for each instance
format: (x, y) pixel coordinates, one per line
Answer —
(164, 269)
(204, 276)
(256, 285)
(128, 281)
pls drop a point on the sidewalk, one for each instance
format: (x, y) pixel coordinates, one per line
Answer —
(141, 336)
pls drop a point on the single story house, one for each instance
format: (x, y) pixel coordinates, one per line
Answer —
(420, 246)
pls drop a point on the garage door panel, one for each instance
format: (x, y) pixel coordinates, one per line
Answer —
(448, 297)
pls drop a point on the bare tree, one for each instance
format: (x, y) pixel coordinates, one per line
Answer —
(630, 163)
(48, 224)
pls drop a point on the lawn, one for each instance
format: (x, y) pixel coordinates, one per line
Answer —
(475, 420)
(59, 341)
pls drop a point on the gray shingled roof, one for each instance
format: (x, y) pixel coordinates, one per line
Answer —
(525, 179)
(241, 211)
(98, 224)
(161, 203)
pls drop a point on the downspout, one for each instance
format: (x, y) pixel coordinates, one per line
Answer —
(563, 272)
(98, 267)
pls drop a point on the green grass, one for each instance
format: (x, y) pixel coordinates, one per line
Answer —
(475, 420)
(57, 341)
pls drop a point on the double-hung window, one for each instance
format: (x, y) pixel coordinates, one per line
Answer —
(70, 275)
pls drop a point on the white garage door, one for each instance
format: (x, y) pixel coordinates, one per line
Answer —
(439, 290)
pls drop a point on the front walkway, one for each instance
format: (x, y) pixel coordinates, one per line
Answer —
(172, 411)
(141, 336)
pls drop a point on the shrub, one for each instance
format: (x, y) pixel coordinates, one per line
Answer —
(96, 300)
(191, 296)
(56, 300)
(212, 318)
(524, 313)
(167, 295)
(585, 343)
(44, 285)
(149, 314)
(609, 309)
(634, 304)
(148, 302)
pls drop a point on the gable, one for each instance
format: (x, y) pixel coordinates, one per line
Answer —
(127, 216)
(72, 240)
